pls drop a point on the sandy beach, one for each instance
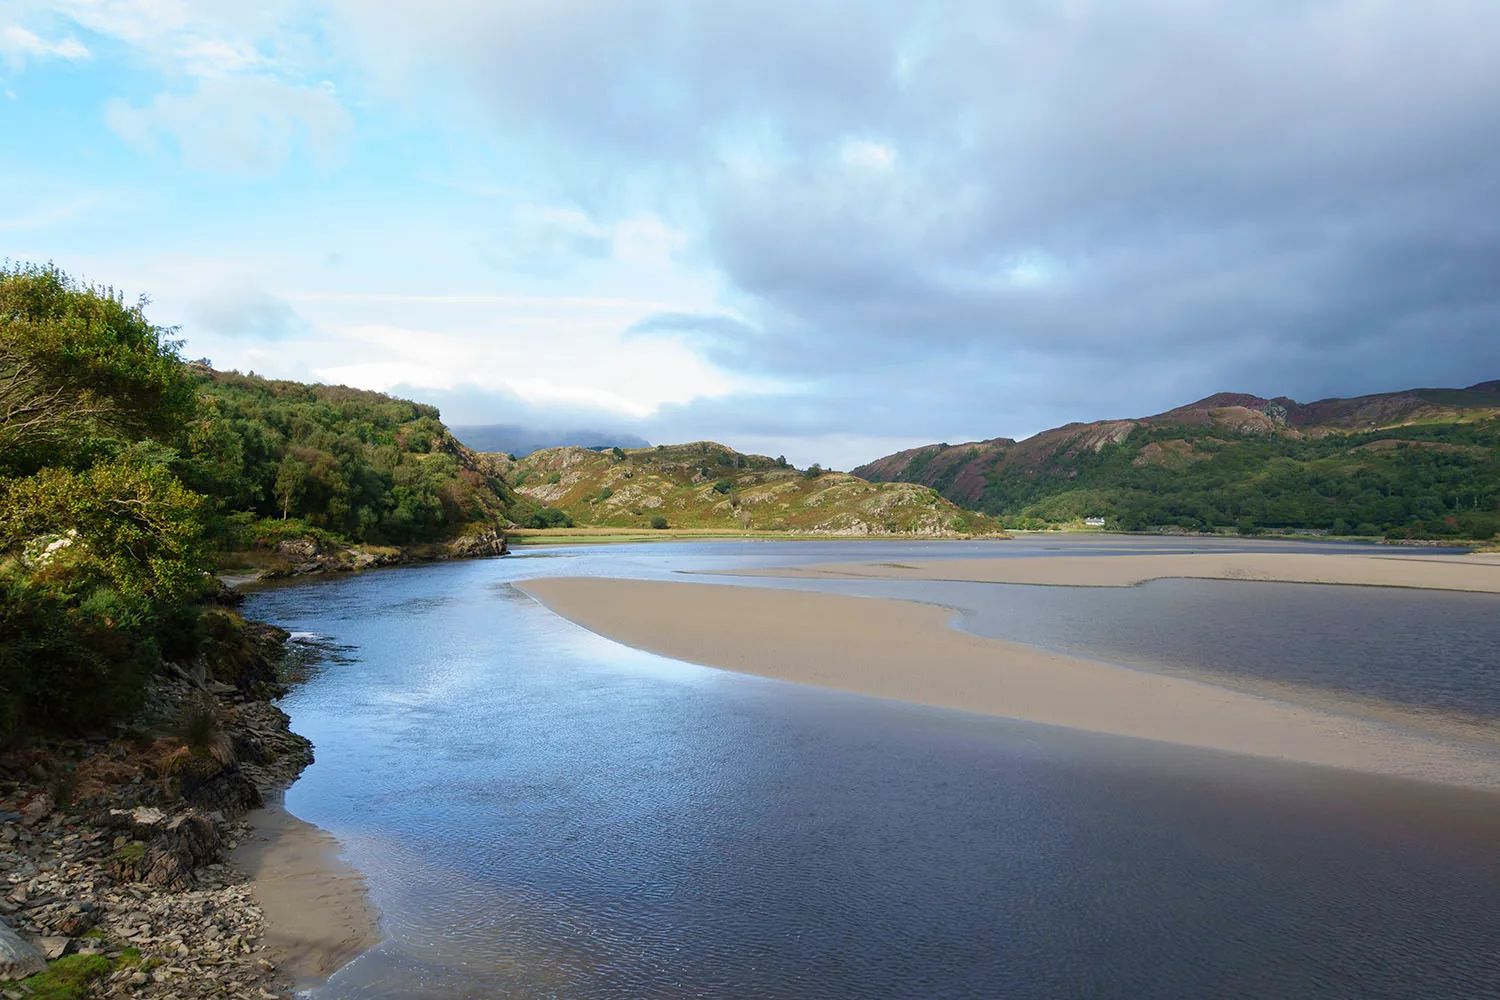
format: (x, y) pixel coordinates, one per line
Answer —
(1478, 573)
(909, 651)
(317, 916)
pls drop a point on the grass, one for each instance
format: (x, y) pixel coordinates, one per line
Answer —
(603, 536)
(68, 978)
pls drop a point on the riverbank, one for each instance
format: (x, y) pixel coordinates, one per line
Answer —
(160, 864)
(908, 651)
(531, 537)
(1473, 572)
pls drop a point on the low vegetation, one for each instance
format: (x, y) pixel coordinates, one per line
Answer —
(708, 486)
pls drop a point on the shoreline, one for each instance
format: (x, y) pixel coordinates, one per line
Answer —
(907, 651)
(1473, 573)
(318, 917)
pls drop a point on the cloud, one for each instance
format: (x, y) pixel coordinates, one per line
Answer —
(240, 125)
(943, 220)
(17, 45)
(244, 312)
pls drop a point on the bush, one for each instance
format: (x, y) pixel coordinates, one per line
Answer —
(723, 486)
(658, 522)
(549, 517)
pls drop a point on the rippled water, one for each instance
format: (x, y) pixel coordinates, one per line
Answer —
(543, 813)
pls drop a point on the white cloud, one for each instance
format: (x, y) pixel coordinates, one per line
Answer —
(868, 155)
(18, 45)
(245, 125)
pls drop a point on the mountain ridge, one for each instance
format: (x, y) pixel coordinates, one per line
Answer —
(1245, 435)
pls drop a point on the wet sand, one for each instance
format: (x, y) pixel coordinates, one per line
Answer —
(1476, 572)
(317, 915)
(909, 651)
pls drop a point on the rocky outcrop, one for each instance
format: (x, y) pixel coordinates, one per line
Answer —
(18, 959)
(117, 851)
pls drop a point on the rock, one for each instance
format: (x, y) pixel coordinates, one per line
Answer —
(36, 810)
(17, 958)
(53, 947)
(485, 543)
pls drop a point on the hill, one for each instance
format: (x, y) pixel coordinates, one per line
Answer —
(127, 474)
(521, 441)
(706, 485)
(1422, 463)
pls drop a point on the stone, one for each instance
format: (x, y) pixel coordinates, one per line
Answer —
(17, 958)
(53, 947)
(36, 810)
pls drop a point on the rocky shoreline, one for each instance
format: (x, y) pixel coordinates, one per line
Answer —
(114, 852)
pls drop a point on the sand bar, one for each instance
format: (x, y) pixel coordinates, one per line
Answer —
(908, 651)
(317, 915)
(1478, 573)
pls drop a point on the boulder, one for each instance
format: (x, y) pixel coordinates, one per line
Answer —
(17, 958)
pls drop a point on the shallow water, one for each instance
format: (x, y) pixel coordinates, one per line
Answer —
(543, 813)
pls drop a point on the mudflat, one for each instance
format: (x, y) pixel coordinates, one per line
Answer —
(1476, 572)
(317, 914)
(909, 651)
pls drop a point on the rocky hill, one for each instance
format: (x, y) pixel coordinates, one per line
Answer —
(707, 485)
(1417, 463)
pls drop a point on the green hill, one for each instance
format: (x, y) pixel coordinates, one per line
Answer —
(706, 485)
(1424, 463)
(126, 475)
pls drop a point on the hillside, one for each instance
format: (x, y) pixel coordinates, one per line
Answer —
(360, 465)
(1423, 463)
(706, 485)
(127, 475)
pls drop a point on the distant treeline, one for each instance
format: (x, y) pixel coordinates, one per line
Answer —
(1435, 480)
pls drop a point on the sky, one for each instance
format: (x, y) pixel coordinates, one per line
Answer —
(824, 230)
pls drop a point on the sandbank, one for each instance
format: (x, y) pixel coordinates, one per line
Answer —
(317, 915)
(1474, 572)
(908, 651)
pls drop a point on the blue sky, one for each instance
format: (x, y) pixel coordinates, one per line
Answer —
(814, 229)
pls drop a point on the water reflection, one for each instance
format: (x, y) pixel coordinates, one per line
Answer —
(542, 813)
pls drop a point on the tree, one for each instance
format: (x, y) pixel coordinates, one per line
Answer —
(658, 522)
(291, 483)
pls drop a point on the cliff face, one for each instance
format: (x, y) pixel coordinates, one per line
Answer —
(707, 485)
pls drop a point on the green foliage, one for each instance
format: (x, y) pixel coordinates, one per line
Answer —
(80, 371)
(723, 486)
(616, 451)
(124, 472)
(658, 522)
(605, 493)
(553, 478)
(549, 517)
(1433, 480)
(362, 466)
(812, 471)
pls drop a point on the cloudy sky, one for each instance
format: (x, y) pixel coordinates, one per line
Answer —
(828, 230)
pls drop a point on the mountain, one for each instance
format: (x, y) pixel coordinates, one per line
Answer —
(1421, 463)
(520, 441)
(707, 485)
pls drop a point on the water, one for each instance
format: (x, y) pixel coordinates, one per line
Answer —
(542, 813)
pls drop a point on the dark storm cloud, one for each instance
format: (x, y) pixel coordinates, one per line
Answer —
(1083, 209)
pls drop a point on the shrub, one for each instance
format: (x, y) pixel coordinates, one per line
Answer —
(723, 486)
(606, 493)
(658, 522)
(549, 517)
(553, 478)
(813, 471)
